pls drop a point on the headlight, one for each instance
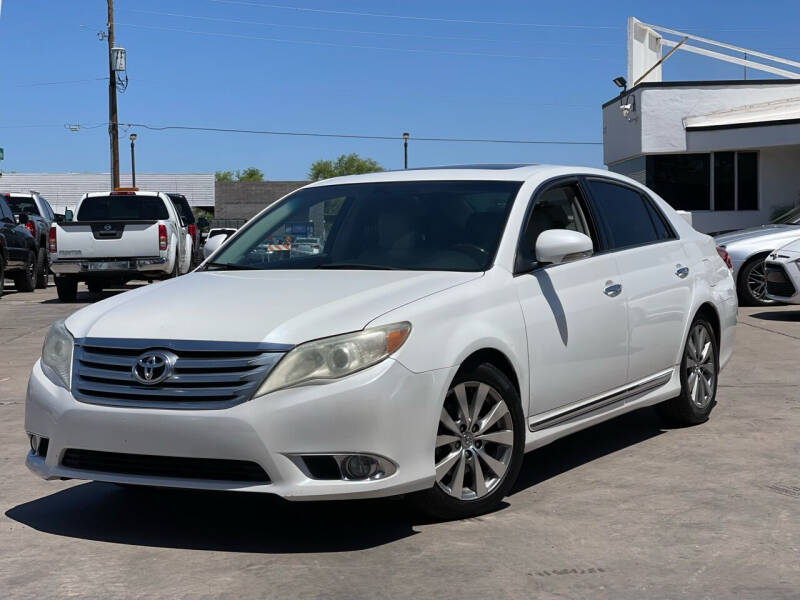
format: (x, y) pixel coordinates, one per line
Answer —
(334, 357)
(57, 354)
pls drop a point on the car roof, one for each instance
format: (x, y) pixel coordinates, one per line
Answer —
(487, 172)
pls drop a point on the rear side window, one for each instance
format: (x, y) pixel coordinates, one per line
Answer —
(628, 217)
(182, 207)
(122, 208)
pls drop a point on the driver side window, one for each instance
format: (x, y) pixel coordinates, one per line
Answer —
(558, 207)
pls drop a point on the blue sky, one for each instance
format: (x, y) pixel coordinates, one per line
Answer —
(212, 66)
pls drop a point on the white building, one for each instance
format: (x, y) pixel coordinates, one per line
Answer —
(727, 151)
(63, 190)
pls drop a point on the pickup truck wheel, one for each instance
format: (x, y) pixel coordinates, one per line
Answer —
(42, 269)
(67, 289)
(26, 281)
(95, 287)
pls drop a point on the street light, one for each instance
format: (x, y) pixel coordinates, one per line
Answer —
(405, 149)
(133, 161)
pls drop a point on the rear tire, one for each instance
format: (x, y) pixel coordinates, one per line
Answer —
(26, 281)
(477, 455)
(751, 288)
(699, 376)
(67, 289)
(42, 269)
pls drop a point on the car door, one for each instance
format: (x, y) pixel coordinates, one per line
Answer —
(658, 286)
(575, 320)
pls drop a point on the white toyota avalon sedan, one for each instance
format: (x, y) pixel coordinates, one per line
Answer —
(453, 320)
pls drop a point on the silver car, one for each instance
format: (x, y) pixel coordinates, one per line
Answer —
(749, 247)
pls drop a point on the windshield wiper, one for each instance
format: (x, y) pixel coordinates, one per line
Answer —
(230, 267)
(355, 266)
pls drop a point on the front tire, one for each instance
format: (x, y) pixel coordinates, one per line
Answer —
(699, 375)
(67, 289)
(752, 285)
(479, 445)
(26, 281)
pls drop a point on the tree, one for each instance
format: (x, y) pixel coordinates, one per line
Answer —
(346, 164)
(248, 174)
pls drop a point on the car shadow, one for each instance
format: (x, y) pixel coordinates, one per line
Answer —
(778, 315)
(260, 523)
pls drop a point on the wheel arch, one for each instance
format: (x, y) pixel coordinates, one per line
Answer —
(760, 255)
(496, 358)
(709, 312)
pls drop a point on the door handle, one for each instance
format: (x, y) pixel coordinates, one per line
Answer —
(682, 272)
(612, 289)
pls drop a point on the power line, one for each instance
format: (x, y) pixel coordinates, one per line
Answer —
(69, 81)
(414, 18)
(359, 136)
(360, 31)
(358, 46)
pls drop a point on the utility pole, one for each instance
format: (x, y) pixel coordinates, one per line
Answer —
(405, 150)
(113, 126)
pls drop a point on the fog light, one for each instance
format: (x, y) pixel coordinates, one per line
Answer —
(39, 444)
(359, 466)
(34, 440)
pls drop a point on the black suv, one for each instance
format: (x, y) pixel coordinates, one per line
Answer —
(38, 217)
(18, 250)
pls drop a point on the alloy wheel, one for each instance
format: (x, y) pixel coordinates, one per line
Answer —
(757, 281)
(475, 441)
(701, 367)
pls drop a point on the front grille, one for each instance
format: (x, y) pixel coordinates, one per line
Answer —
(778, 282)
(216, 469)
(205, 375)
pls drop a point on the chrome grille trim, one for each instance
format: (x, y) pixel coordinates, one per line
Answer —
(207, 375)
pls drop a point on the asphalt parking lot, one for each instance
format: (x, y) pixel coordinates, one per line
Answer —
(628, 509)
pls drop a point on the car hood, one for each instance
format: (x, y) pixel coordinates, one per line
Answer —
(285, 307)
(756, 232)
(793, 246)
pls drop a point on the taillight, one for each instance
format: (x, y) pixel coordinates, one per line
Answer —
(29, 225)
(193, 233)
(726, 258)
(52, 244)
(162, 237)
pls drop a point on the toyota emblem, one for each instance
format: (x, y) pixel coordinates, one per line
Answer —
(153, 367)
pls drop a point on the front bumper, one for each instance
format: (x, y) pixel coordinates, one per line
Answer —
(783, 276)
(108, 265)
(385, 410)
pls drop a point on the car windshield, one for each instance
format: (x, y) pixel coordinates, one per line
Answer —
(416, 225)
(790, 217)
(122, 208)
(22, 205)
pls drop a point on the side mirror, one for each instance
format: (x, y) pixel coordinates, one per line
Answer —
(556, 246)
(22, 218)
(68, 215)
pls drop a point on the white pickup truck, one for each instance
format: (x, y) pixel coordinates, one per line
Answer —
(116, 237)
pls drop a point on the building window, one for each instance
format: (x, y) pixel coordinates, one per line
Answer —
(705, 181)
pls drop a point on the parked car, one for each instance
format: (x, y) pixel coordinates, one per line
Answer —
(782, 269)
(749, 247)
(215, 238)
(38, 216)
(17, 252)
(456, 319)
(189, 225)
(117, 237)
(309, 245)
